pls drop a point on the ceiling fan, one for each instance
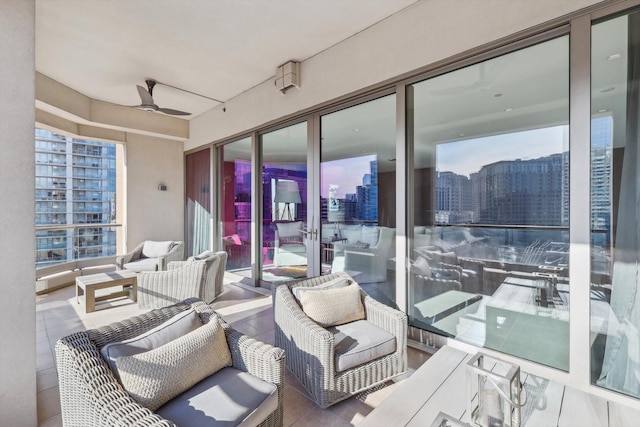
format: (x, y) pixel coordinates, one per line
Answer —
(147, 103)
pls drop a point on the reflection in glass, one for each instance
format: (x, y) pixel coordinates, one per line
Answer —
(615, 197)
(198, 175)
(357, 189)
(235, 205)
(284, 201)
(490, 242)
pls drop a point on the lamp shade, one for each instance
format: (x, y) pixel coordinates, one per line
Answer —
(287, 192)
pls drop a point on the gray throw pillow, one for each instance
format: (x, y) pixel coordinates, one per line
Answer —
(179, 325)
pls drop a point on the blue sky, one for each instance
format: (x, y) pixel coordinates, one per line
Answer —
(468, 156)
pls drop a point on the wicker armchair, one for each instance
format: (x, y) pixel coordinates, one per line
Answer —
(201, 278)
(90, 395)
(311, 349)
(139, 260)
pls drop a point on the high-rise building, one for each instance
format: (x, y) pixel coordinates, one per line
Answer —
(528, 192)
(454, 199)
(75, 187)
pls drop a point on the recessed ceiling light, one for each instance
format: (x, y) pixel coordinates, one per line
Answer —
(609, 89)
(508, 109)
(602, 111)
(356, 130)
(614, 57)
(461, 134)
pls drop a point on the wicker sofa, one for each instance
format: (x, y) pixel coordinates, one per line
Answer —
(313, 351)
(90, 394)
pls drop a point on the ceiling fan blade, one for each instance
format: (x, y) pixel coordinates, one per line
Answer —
(174, 112)
(145, 96)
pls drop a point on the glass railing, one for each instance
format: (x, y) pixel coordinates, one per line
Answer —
(58, 244)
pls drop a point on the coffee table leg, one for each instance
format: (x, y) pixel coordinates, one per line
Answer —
(134, 290)
(90, 299)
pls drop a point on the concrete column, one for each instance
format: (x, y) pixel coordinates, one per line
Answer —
(18, 405)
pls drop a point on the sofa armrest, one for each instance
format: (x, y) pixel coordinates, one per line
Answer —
(90, 395)
(387, 318)
(260, 359)
(175, 254)
(309, 347)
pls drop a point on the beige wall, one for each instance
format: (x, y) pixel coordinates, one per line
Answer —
(17, 251)
(422, 34)
(152, 214)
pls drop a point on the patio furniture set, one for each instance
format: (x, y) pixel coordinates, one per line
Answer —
(182, 364)
(154, 275)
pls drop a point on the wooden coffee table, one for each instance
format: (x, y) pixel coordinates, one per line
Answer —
(87, 286)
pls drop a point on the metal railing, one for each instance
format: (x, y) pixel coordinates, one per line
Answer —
(69, 243)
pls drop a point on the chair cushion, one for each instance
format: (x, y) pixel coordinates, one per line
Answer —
(289, 239)
(370, 235)
(229, 397)
(152, 249)
(154, 377)
(360, 245)
(288, 229)
(338, 282)
(142, 264)
(292, 247)
(360, 342)
(179, 325)
(332, 307)
(351, 234)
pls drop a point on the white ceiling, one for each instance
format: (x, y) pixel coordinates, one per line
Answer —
(218, 48)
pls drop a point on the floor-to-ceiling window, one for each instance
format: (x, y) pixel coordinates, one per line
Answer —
(284, 203)
(198, 179)
(488, 201)
(75, 198)
(490, 240)
(234, 204)
(357, 189)
(615, 201)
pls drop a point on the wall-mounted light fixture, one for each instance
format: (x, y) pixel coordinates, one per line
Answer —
(287, 76)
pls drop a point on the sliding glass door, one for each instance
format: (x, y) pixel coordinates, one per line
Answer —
(357, 195)
(284, 183)
(235, 205)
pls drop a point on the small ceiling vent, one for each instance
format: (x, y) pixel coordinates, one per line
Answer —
(287, 76)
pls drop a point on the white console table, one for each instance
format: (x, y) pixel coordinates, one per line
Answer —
(439, 385)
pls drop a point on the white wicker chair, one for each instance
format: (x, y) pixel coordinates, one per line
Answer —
(199, 278)
(310, 348)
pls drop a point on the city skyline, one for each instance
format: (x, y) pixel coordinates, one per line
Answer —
(466, 157)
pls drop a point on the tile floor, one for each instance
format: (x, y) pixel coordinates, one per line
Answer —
(58, 314)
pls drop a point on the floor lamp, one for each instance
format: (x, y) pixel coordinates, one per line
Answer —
(287, 192)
